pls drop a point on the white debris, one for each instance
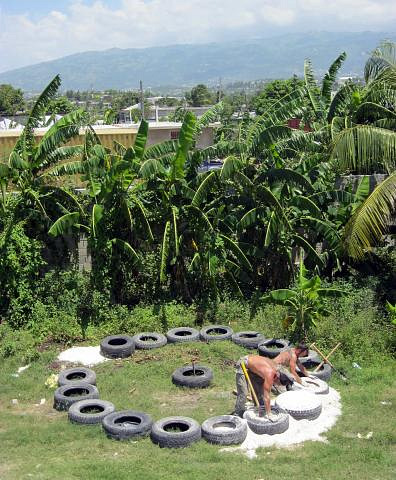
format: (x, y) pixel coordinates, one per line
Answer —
(21, 369)
(42, 402)
(300, 400)
(299, 431)
(14, 401)
(87, 356)
(386, 403)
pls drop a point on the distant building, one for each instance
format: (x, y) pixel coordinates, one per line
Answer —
(124, 134)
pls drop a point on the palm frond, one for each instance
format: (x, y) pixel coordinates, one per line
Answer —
(312, 86)
(382, 58)
(185, 141)
(330, 77)
(204, 189)
(126, 248)
(61, 132)
(164, 252)
(234, 248)
(231, 165)
(370, 221)
(63, 225)
(140, 140)
(39, 108)
(364, 147)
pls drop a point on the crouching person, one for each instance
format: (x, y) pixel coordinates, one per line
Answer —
(263, 374)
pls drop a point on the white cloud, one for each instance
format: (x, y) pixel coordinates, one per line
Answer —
(141, 23)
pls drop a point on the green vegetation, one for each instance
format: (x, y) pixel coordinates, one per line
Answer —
(11, 99)
(171, 246)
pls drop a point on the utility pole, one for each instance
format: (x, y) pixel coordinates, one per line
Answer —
(141, 100)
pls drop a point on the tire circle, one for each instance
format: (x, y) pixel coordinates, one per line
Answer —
(175, 432)
(117, 346)
(248, 339)
(272, 347)
(300, 405)
(224, 430)
(66, 395)
(182, 334)
(82, 411)
(213, 333)
(149, 340)
(261, 426)
(198, 376)
(126, 424)
(76, 375)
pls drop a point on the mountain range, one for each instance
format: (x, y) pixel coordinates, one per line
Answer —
(186, 65)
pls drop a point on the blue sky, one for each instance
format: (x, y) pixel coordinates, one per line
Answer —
(33, 31)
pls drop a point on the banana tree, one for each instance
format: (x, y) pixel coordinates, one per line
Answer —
(116, 212)
(304, 303)
(29, 159)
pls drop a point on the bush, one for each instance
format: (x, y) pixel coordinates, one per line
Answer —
(21, 344)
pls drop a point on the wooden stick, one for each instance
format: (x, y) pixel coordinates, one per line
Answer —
(327, 358)
(322, 355)
(250, 384)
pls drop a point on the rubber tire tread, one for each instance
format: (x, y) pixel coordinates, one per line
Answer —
(76, 416)
(248, 342)
(234, 436)
(89, 376)
(160, 341)
(199, 381)
(166, 439)
(269, 428)
(215, 338)
(63, 402)
(324, 373)
(117, 351)
(126, 432)
(264, 351)
(172, 336)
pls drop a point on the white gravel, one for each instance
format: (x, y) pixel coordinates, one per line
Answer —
(87, 356)
(299, 431)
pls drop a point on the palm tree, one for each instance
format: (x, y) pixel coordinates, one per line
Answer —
(368, 142)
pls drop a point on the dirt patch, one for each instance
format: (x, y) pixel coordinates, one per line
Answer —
(182, 399)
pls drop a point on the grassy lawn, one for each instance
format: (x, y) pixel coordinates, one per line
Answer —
(38, 442)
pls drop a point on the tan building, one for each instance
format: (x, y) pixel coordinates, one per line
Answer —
(124, 134)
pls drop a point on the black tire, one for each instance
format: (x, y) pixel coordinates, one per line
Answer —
(76, 375)
(248, 339)
(224, 430)
(117, 346)
(288, 401)
(149, 340)
(324, 373)
(175, 432)
(272, 347)
(127, 424)
(311, 357)
(262, 425)
(66, 395)
(185, 377)
(84, 411)
(182, 334)
(214, 333)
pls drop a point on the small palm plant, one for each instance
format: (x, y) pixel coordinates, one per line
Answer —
(304, 302)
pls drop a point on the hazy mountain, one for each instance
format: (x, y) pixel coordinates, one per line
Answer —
(276, 57)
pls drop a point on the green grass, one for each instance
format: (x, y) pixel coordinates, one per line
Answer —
(38, 442)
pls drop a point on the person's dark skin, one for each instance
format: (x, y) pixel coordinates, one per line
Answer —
(290, 359)
(264, 368)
